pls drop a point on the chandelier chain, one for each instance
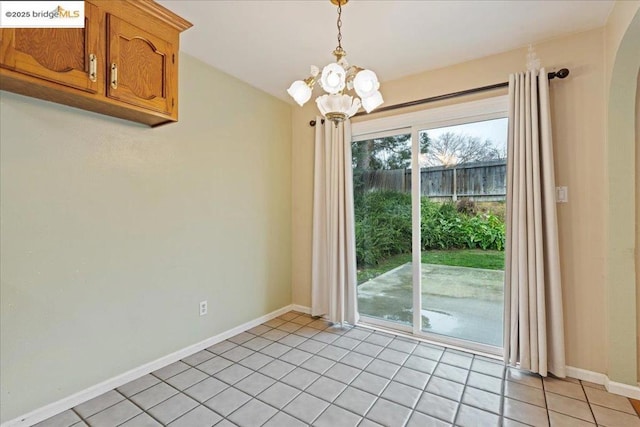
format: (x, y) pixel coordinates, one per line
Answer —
(339, 24)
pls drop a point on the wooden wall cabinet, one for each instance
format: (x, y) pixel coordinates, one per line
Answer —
(124, 63)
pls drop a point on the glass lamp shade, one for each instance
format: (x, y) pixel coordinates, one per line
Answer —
(372, 102)
(336, 107)
(300, 92)
(333, 78)
(366, 83)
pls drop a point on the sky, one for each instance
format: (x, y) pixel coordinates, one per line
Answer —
(494, 130)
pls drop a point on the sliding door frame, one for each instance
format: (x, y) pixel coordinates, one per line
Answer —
(414, 123)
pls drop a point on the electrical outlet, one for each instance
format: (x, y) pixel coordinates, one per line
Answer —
(203, 308)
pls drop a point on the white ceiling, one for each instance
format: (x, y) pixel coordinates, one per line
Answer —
(270, 43)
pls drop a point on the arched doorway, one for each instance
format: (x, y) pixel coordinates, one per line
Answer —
(622, 217)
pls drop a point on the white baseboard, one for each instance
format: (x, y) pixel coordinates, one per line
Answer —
(301, 308)
(584, 375)
(623, 389)
(612, 387)
(69, 402)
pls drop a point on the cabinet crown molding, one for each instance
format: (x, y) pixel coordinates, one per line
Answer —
(162, 13)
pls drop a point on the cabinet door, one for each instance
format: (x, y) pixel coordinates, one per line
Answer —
(142, 67)
(63, 55)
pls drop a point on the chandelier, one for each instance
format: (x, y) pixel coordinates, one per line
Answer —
(337, 78)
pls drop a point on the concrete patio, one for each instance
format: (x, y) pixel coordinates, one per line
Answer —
(459, 302)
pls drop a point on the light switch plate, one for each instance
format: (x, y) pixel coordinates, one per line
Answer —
(562, 194)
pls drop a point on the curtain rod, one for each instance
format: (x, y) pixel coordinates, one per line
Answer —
(561, 74)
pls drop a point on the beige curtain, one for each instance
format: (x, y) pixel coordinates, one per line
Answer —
(333, 281)
(534, 330)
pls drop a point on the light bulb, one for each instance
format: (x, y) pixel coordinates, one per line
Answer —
(300, 92)
(372, 102)
(333, 78)
(366, 83)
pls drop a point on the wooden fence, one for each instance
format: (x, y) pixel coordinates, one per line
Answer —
(479, 181)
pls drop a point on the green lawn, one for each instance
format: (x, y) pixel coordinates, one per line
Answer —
(476, 258)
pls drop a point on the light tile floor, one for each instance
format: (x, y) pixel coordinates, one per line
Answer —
(297, 371)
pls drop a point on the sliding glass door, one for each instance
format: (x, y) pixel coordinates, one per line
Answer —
(462, 197)
(429, 210)
(383, 222)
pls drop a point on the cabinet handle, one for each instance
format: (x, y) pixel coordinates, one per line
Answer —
(93, 68)
(114, 76)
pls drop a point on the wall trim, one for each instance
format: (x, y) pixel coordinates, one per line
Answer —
(622, 389)
(631, 391)
(75, 399)
(301, 308)
(584, 375)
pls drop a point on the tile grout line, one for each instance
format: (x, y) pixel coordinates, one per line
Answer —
(123, 400)
(465, 384)
(347, 351)
(546, 404)
(278, 380)
(431, 375)
(179, 392)
(363, 369)
(464, 388)
(278, 358)
(142, 409)
(613, 409)
(503, 384)
(363, 416)
(233, 386)
(437, 362)
(204, 379)
(100, 411)
(390, 379)
(588, 403)
(79, 416)
(340, 394)
(189, 366)
(254, 371)
(347, 384)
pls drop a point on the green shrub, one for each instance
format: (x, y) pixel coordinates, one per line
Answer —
(383, 227)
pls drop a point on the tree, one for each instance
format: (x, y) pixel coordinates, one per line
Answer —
(391, 152)
(451, 148)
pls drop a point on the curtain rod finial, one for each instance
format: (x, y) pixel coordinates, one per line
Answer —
(561, 74)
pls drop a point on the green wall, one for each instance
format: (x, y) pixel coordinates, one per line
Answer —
(113, 232)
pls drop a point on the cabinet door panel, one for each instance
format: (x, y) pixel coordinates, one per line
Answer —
(142, 67)
(62, 55)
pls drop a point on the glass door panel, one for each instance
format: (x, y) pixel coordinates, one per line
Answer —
(462, 231)
(383, 224)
